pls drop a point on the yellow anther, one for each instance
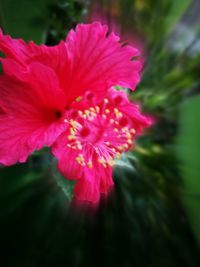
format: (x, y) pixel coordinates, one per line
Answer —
(106, 101)
(73, 123)
(92, 109)
(72, 131)
(116, 130)
(111, 161)
(78, 99)
(132, 130)
(118, 114)
(80, 160)
(113, 149)
(129, 141)
(126, 146)
(78, 145)
(118, 155)
(71, 137)
(87, 112)
(89, 164)
(128, 135)
(125, 130)
(107, 111)
(120, 148)
(97, 108)
(80, 112)
(102, 161)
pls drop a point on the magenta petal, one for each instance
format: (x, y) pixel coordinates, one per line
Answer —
(106, 181)
(13, 145)
(19, 138)
(40, 104)
(34, 91)
(29, 117)
(25, 53)
(132, 110)
(13, 48)
(98, 61)
(93, 183)
(86, 191)
(67, 164)
(99, 130)
(90, 59)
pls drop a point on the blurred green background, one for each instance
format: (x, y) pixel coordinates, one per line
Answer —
(153, 217)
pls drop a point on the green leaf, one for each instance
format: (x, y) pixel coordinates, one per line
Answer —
(178, 8)
(64, 184)
(25, 19)
(188, 145)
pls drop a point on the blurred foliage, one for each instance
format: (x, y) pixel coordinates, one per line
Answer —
(188, 145)
(143, 223)
(25, 19)
(63, 17)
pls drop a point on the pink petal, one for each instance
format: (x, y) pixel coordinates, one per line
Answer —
(19, 138)
(89, 60)
(86, 190)
(35, 89)
(29, 118)
(98, 61)
(106, 181)
(67, 164)
(130, 109)
(54, 57)
(13, 48)
(90, 182)
(94, 182)
(13, 143)
(102, 129)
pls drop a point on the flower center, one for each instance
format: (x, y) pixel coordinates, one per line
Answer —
(101, 133)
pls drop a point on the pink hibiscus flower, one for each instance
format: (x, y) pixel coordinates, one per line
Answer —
(63, 97)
